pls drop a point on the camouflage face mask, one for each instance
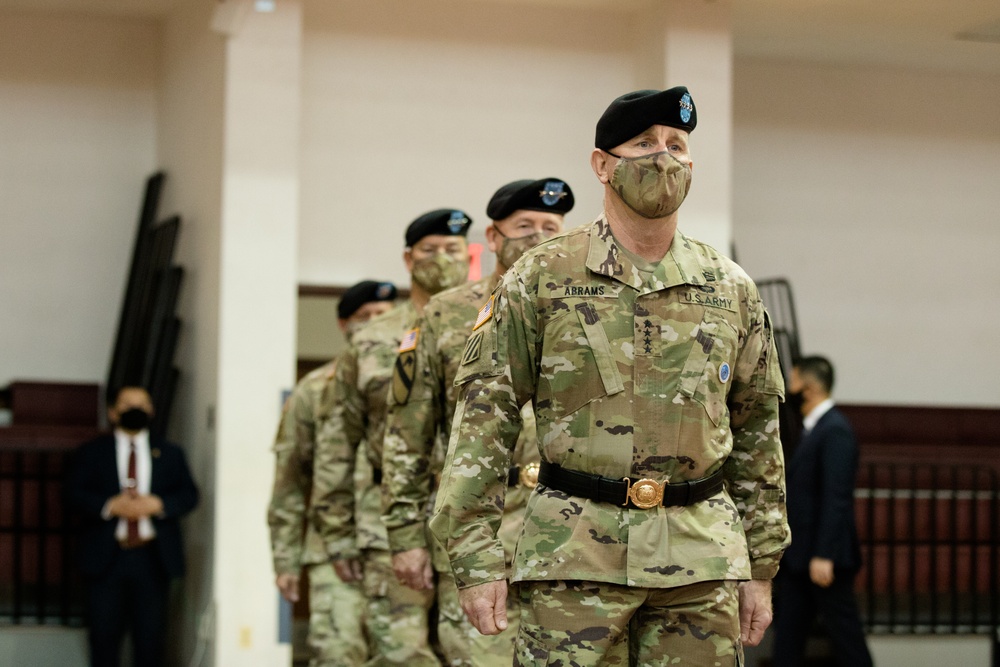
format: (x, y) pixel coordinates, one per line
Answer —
(512, 249)
(438, 273)
(351, 329)
(654, 186)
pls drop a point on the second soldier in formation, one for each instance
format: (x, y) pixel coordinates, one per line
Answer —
(437, 257)
(422, 404)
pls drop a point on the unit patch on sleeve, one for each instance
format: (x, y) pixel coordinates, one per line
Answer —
(472, 348)
(405, 369)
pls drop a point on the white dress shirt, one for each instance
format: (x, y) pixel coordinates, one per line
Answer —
(143, 474)
(810, 420)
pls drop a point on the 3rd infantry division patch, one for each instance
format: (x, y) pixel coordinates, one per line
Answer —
(472, 348)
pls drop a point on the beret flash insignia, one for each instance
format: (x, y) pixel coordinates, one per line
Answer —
(552, 192)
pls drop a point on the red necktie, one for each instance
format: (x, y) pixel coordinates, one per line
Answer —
(132, 539)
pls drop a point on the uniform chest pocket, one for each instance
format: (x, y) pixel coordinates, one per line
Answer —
(708, 369)
(577, 364)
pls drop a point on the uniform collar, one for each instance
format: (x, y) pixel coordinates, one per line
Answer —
(680, 266)
(492, 282)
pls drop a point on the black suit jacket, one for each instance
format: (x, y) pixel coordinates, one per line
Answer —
(820, 496)
(92, 478)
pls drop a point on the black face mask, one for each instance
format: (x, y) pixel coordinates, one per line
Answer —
(134, 419)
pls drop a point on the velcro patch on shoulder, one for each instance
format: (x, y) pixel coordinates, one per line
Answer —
(403, 374)
(485, 313)
(409, 341)
(472, 348)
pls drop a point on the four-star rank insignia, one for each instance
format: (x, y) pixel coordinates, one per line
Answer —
(405, 368)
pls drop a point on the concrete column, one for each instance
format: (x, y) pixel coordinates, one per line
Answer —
(256, 352)
(690, 44)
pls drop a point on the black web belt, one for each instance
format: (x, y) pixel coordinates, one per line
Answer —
(629, 492)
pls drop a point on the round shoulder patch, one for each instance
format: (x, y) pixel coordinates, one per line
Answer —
(724, 372)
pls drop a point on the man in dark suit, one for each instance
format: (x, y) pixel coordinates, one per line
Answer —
(818, 569)
(130, 489)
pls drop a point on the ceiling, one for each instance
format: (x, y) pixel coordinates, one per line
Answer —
(955, 35)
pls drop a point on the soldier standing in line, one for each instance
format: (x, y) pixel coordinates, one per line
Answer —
(336, 633)
(421, 407)
(659, 517)
(437, 257)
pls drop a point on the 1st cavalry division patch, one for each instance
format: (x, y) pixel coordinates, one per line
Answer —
(405, 368)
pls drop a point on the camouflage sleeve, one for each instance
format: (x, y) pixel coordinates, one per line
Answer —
(497, 376)
(286, 512)
(414, 412)
(338, 437)
(755, 470)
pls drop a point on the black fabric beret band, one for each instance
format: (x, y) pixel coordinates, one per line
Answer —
(547, 194)
(634, 113)
(364, 292)
(443, 221)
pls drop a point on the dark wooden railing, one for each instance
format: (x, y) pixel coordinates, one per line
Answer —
(38, 581)
(930, 546)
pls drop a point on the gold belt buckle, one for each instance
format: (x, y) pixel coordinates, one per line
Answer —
(529, 475)
(644, 494)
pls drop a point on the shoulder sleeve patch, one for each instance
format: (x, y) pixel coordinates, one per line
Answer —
(472, 348)
(409, 341)
(485, 313)
(403, 374)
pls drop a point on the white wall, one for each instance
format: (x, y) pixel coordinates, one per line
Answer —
(413, 106)
(260, 197)
(875, 192)
(77, 141)
(191, 107)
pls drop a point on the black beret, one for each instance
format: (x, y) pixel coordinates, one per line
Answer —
(548, 194)
(444, 221)
(633, 113)
(364, 292)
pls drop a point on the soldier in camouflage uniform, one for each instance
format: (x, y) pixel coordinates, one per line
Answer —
(437, 257)
(659, 518)
(336, 636)
(421, 407)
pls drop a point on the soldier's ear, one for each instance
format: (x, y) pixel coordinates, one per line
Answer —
(408, 259)
(601, 164)
(491, 239)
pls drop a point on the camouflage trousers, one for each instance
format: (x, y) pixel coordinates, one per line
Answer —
(397, 616)
(461, 644)
(583, 623)
(336, 636)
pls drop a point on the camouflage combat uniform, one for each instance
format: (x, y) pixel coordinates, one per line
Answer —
(397, 615)
(336, 635)
(421, 408)
(669, 374)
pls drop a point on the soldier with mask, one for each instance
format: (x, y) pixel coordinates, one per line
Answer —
(437, 257)
(336, 633)
(659, 517)
(421, 407)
